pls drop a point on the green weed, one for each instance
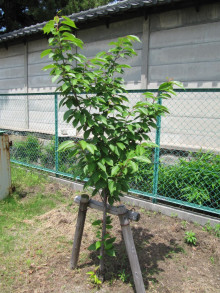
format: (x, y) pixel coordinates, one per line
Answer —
(94, 278)
(215, 230)
(196, 180)
(190, 238)
(123, 276)
(212, 260)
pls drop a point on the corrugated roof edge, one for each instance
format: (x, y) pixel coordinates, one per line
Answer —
(83, 16)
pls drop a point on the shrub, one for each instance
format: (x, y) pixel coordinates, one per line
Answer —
(27, 151)
(196, 181)
(66, 163)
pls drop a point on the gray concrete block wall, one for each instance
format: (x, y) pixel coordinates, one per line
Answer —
(193, 121)
(38, 80)
(12, 69)
(12, 112)
(179, 44)
(98, 38)
(184, 45)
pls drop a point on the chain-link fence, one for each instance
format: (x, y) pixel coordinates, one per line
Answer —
(185, 169)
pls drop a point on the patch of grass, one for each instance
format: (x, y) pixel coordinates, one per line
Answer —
(19, 247)
(14, 209)
(215, 230)
(22, 177)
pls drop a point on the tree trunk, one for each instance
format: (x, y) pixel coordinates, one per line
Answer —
(102, 251)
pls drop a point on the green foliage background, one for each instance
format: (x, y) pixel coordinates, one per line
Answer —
(16, 14)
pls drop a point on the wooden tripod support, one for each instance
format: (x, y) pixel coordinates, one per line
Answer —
(124, 216)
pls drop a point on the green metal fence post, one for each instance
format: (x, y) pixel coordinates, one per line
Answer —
(157, 156)
(56, 134)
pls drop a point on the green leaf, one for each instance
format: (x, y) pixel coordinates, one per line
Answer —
(179, 84)
(95, 191)
(133, 166)
(108, 246)
(120, 145)
(92, 247)
(102, 167)
(111, 200)
(66, 145)
(142, 159)
(110, 252)
(149, 144)
(124, 66)
(111, 240)
(108, 161)
(111, 186)
(65, 87)
(70, 37)
(82, 119)
(133, 38)
(45, 53)
(166, 86)
(115, 170)
(49, 27)
(83, 144)
(86, 134)
(55, 78)
(48, 67)
(143, 110)
(68, 21)
(130, 128)
(97, 223)
(97, 245)
(140, 150)
(91, 148)
(67, 114)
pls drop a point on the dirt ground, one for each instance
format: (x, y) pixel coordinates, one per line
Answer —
(168, 264)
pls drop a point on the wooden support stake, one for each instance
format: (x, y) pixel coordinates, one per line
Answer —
(119, 210)
(132, 254)
(84, 200)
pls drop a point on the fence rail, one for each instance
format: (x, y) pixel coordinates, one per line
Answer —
(185, 169)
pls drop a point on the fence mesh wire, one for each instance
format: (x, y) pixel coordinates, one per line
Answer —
(184, 170)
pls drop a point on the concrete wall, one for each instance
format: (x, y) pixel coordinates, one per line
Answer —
(180, 44)
(12, 69)
(97, 39)
(184, 45)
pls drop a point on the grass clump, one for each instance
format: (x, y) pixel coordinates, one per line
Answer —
(22, 205)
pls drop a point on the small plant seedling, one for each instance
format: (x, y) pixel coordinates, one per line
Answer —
(28, 262)
(207, 227)
(196, 224)
(94, 278)
(212, 230)
(108, 240)
(217, 230)
(212, 260)
(174, 215)
(190, 238)
(123, 276)
(184, 224)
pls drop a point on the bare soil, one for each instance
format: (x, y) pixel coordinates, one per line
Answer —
(168, 264)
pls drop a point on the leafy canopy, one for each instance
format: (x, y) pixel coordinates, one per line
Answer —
(16, 14)
(115, 135)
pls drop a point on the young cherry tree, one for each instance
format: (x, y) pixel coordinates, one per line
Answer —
(115, 135)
